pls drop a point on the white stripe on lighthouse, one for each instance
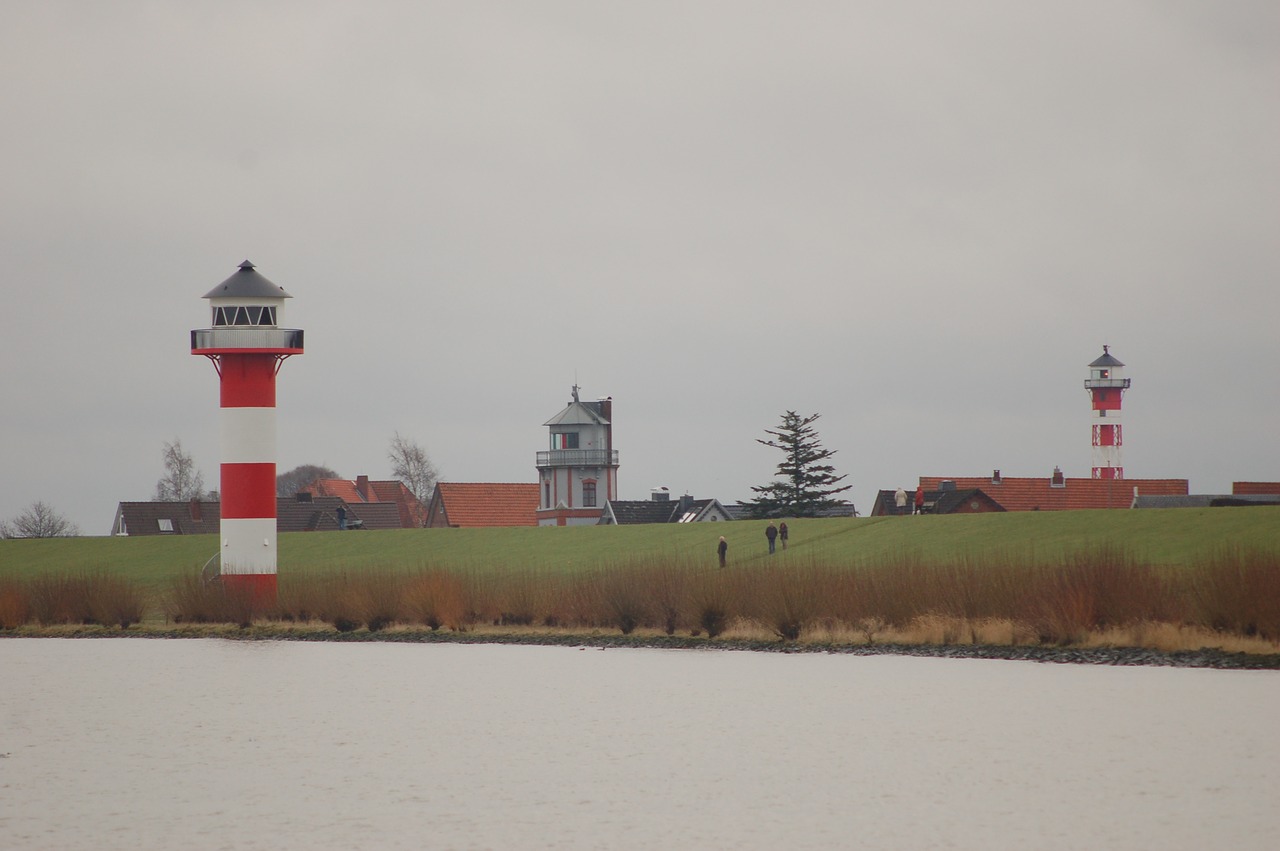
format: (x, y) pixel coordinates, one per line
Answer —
(248, 545)
(248, 435)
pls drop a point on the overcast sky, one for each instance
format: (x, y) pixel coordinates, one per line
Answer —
(921, 220)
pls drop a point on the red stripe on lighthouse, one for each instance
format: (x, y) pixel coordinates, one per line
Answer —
(249, 381)
(249, 490)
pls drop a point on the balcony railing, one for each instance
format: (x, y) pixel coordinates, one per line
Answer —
(1102, 383)
(223, 339)
(578, 458)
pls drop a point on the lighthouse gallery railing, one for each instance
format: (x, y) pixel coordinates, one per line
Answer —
(578, 458)
(246, 338)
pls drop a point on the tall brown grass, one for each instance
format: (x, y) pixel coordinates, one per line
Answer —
(1003, 599)
(1238, 592)
(91, 597)
(15, 604)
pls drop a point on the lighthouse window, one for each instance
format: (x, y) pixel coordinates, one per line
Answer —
(588, 494)
(257, 315)
(566, 440)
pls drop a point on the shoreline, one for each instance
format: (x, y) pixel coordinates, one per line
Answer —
(1116, 656)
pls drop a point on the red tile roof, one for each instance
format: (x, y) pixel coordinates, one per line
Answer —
(1262, 488)
(342, 488)
(473, 504)
(1029, 494)
(412, 512)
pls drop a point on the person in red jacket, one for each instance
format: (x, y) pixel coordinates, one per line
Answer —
(920, 499)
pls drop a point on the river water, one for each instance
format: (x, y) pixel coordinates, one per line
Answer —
(214, 744)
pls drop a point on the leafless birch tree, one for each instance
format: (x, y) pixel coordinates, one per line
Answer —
(410, 464)
(181, 480)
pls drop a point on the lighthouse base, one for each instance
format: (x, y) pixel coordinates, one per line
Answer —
(256, 589)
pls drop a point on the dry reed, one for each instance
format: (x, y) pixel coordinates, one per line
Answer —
(92, 597)
(1090, 596)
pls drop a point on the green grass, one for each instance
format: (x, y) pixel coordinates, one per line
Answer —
(1171, 537)
(1171, 578)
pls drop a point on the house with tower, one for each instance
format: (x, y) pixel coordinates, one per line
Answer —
(578, 472)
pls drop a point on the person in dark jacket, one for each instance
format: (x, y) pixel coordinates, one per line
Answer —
(722, 550)
(782, 533)
(771, 532)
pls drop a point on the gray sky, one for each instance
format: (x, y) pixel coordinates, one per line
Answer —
(920, 219)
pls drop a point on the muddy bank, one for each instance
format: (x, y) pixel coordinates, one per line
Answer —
(1119, 656)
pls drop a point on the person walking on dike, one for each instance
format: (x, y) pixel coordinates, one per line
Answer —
(722, 549)
(771, 532)
(920, 499)
(900, 500)
(782, 533)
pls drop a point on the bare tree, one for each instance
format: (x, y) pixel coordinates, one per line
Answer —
(288, 484)
(410, 464)
(181, 480)
(41, 520)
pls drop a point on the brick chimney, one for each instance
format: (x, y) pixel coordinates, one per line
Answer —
(362, 487)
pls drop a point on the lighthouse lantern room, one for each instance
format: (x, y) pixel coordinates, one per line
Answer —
(247, 346)
(1106, 386)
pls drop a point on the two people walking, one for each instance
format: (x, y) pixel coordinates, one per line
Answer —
(772, 533)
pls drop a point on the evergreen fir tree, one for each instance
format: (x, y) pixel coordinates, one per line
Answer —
(806, 485)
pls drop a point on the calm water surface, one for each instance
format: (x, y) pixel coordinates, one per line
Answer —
(209, 744)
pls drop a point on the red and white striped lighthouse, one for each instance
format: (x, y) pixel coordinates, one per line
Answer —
(247, 347)
(1106, 387)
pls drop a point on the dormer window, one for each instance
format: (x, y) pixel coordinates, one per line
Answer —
(255, 315)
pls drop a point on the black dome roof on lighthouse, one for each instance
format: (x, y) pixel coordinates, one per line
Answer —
(247, 283)
(1107, 358)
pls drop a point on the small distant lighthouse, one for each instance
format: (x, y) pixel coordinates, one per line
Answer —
(1106, 388)
(247, 348)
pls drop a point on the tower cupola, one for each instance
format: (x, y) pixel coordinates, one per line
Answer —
(247, 311)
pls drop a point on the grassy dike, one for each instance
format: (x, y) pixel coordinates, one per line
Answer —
(1171, 579)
